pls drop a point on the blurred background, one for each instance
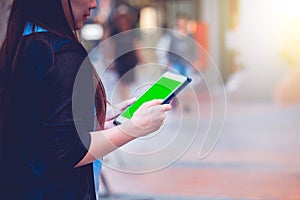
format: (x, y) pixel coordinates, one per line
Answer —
(246, 96)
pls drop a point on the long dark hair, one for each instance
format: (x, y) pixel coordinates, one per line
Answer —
(49, 15)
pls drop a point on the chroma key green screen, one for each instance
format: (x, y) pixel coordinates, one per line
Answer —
(159, 90)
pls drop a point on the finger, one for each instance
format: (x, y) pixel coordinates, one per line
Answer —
(153, 102)
(111, 112)
(172, 101)
(124, 104)
(131, 101)
(108, 118)
(109, 124)
(165, 107)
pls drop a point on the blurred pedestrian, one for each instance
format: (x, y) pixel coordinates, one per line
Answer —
(126, 48)
(182, 54)
(44, 155)
(178, 52)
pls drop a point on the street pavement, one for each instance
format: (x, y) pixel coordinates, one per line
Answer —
(256, 157)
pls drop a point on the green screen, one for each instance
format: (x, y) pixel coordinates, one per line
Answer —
(160, 90)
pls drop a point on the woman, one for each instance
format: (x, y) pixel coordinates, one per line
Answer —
(43, 154)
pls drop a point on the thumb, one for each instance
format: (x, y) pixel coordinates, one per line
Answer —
(153, 103)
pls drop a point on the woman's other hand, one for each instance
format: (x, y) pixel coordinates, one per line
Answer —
(115, 110)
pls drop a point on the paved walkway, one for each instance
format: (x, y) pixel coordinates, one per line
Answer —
(257, 157)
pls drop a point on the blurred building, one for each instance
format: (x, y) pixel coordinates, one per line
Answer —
(254, 43)
(209, 21)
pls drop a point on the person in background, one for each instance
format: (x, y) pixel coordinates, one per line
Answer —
(181, 55)
(125, 49)
(47, 146)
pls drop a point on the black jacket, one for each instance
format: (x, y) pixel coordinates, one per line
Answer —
(41, 142)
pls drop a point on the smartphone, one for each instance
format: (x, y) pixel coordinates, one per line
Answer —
(166, 88)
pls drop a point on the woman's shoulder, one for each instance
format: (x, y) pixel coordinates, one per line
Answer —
(40, 51)
(52, 42)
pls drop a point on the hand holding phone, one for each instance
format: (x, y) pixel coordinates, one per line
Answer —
(147, 119)
(166, 88)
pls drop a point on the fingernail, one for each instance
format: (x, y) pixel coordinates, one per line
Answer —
(132, 100)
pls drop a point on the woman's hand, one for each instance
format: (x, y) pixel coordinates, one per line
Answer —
(147, 119)
(115, 110)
